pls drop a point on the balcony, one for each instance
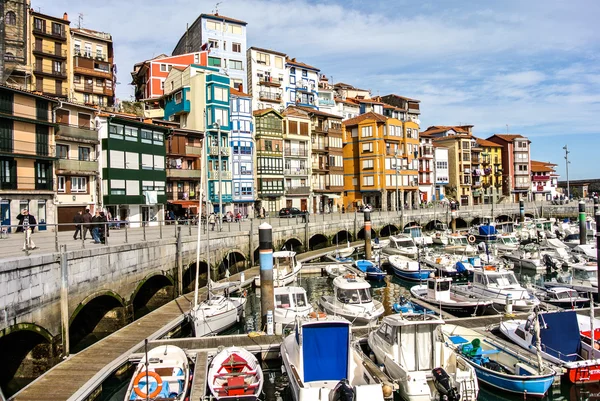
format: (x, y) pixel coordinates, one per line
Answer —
(73, 132)
(193, 150)
(72, 166)
(541, 177)
(319, 147)
(475, 160)
(93, 88)
(497, 161)
(51, 90)
(298, 191)
(269, 97)
(296, 152)
(62, 36)
(50, 51)
(326, 102)
(269, 152)
(89, 67)
(484, 160)
(298, 171)
(183, 173)
(39, 70)
(270, 81)
(214, 151)
(27, 148)
(476, 184)
(320, 166)
(215, 175)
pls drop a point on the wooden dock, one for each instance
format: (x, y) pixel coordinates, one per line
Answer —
(200, 371)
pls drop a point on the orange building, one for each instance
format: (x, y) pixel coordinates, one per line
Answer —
(380, 162)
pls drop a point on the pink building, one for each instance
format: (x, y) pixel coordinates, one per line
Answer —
(516, 165)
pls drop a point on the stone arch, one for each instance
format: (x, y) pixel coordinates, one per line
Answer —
(257, 256)
(105, 313)
(410, 224)
(461, 223)
(341, 237)
(293, 244)
(235, 261)
(151, 293)
(390, 229)
(27, 352)
(503, 218)
(430, 226)
(476, 221)
(317, 241)
(530, 215)
(189, 276)
(361, 234)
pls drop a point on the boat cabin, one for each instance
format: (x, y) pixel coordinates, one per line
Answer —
(456, 239)
(501, 279)
(561, 293)
(290, 297)
(413, 231)
(352, 290)
(507, 239)
(438, 288)
(401, 241)
(410, 340)
(585, 273)
(284, 260)
(505, 227)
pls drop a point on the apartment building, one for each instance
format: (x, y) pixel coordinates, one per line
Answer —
(544, 180)
(15, 66)
(301, 84)
(266, 78)
(77, 151)
(326, 95)
(516, 165)
(297, 165)
(440, 171)
(269, 160)
(486, 159)
(426, 169)
(243, 151)
(409, 108)
(50, 54)
(27, 156)
(225, 40)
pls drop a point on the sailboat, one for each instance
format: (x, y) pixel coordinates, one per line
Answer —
(217, 312)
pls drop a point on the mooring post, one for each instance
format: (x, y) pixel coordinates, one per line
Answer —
(179, 250)
(367, 215)
(582, 228)
(265, 245)
(521, 211)
(64, 299)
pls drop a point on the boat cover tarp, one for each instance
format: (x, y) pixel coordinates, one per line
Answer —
(363, 265)
(325, 351)
(560, 335)
(487, 230)
(556, 243)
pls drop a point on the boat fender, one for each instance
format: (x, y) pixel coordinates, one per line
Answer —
(142, 375)
(471, 239)
(445, 385)
(343, 391)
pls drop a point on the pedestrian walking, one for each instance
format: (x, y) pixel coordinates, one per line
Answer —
(78, 220)
(103, 232)
(212, 220)
(27, 225)
(96, 220)
(87, 224)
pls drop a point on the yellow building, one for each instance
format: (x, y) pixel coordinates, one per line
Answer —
(380, 161)
(27, 155)
(50, 54)
(486, 159)
(92, 78)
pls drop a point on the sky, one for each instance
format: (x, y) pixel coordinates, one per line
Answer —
(523, 67)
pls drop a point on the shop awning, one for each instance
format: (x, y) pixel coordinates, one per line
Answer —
(332, 196)
(186, 204)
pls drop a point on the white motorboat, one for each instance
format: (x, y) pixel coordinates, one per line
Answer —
(440, 237)
(378, 243)
(563, 297)
(322, 364)
(168, 375)
(413, 352)
(335, 269)
(216, 314)
(416, 232)
(581, 277)
(438, 292)
(352, 300)
(501, 287)
(409, 269)
(403, 245)
(345, 252)
(290, 302)
(506, 243)
(588, 251)
(235, 374)
(285, 269)
(459, 244)
(526, 257)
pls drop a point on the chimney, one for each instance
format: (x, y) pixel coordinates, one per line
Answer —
(66, 16)
(240, 88)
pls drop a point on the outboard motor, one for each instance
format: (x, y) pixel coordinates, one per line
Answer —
(549, 262)
(343, 391)
(445, 385)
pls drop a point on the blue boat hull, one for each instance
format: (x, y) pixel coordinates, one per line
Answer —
(376, 275)
(532, 386)
(418, 275)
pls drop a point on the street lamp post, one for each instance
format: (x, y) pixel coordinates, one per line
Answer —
(566, 149)
(217, 126)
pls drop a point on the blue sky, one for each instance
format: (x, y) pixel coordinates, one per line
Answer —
(532, 65)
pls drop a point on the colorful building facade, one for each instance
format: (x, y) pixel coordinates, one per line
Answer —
(516, 165)
(544, 181)
(297, 167)
(269, 160)
(266, 78)
(301, 84)
(243, 152)
(486, 159)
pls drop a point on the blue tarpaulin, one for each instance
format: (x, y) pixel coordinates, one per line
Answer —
(487, 230)
(560, 336)
(325, 351)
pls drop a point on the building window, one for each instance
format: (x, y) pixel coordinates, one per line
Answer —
(62, 151)
(368, 181)
(86, 98)
(235, 64)
(263, 58)
(367, 131)
(213, 25)
(131, 134)
(214, 62)
(220, 94)
(79, 184)
(213, 44)
(43, 176)
(236, 29)
(146, 136)
(367, 164)
(278, 62)
(61, 184)
(163, 68)
(367, 147)
(304, 73)
(57, 29)
(158, 138)
(236, 47)
(39, 24)
(77, 79)
(117, 187)
(115, 131)
(99, 52)
(57, 67)
(10, 18)
(88, 50)
(77, 48)
(84, 153)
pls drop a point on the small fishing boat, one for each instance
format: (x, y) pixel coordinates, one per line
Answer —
(378, 244)
(581, 277)
(497, 366)
(322, 364)
(563, 297)
(290, 302)
(526, 257)
(501, 287)
(486, 231)
(372, 271)
(416, 232)
(413, 352)
(335, 269)
(559, 343)
(448, 265)
(438, 292)
(460, 244)
(352, 300)
(405, 306)
(507, 242)
(345, 252)
(588, 251)
(403, 245)
(285, 269)
(408, 269)
(235, 374)
(167, 375)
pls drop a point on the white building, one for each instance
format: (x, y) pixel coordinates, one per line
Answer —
(441, 172)
(426, 169)
(301, 82)
(266, 77)
(544, 181)
(326, 96)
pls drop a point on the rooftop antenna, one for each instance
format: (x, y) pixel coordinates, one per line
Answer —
(79, 20)
(216, 10)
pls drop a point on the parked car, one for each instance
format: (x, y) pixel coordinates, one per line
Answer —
(291, 212)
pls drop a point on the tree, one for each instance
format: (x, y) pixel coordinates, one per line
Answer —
(133, 108)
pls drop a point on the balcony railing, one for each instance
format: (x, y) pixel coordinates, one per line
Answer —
(193, 150)
(214, 150)
(296, 152)
(27, 183)
(326, 102)
(270, 81)
(269, 96)
(300, 171)
(58, 35)
(39, 69)
(298, 191)
(77, 132)
(50, 51)
(75, 166)
(215, 175)
(16, 147)
(541, 177)
(183, 173)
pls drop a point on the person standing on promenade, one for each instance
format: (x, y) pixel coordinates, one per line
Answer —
(27, 224)
(78, 220)
(96, 220)
(87, 223)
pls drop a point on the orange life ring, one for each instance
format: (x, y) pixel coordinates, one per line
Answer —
(489, 267)
(350, 276)
(321, 315)
(471, 239)
(142, 375)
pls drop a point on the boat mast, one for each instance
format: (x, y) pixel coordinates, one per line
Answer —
(196, 283)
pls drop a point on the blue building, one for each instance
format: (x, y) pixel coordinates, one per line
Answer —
(243, 150)
(301, 84)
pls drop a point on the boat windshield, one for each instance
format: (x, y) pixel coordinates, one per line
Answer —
(404, 243)
(300, 299)
(503, 280)
(566, 294)
(509, 240)
(282, 301)
(354, 296)
(584, 274)
(459, 240)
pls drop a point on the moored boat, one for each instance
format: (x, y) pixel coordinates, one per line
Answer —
(167, 375)
(372, 271)
(408, 269)
(402, 244)
(290, 303)
(216, 314)
(235, 374)
(285, 269)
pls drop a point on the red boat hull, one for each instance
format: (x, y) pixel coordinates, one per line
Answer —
(583, 374)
